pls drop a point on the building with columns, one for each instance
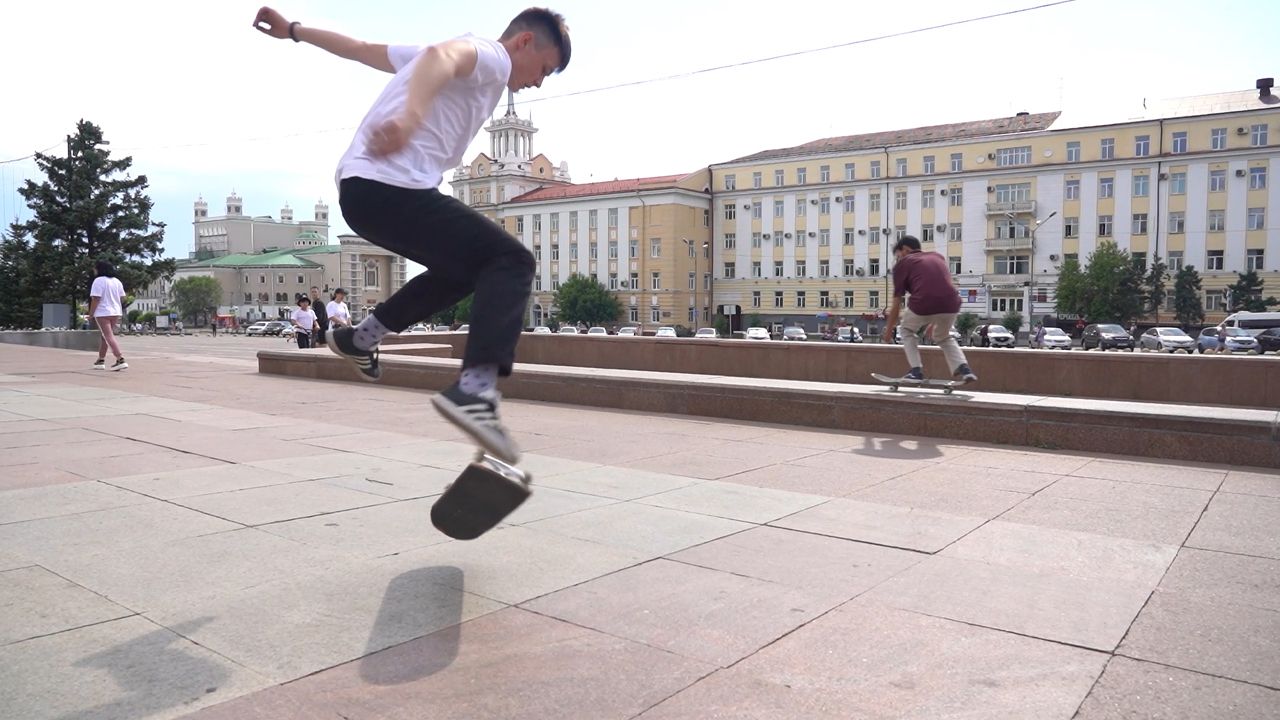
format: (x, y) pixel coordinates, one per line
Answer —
(235, 232)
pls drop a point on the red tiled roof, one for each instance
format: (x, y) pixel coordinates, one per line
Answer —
(609, 187)
(932, 133)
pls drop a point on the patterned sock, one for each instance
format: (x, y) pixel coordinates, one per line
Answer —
(479, 379)
(370, 332)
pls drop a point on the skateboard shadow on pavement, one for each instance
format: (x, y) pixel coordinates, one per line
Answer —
(898, 449)
(428, 598)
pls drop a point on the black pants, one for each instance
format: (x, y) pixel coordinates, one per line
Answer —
(464, 253)
(304, 340)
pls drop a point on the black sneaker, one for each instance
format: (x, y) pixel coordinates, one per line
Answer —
(342, 343)
(915, 374)
(120, 364)
(964, 373)
(477, 416)
(100, 364)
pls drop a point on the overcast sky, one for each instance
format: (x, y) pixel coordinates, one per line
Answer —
(204, 103)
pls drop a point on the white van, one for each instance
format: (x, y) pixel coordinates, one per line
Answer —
(1253, 322)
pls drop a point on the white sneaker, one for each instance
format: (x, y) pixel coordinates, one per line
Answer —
(477, 416)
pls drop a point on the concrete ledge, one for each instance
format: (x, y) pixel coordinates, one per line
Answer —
(1233, 436)
(60, 339)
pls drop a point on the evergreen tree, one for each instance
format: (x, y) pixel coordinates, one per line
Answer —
(1246, 294)
(584, 299)
(1188, 307)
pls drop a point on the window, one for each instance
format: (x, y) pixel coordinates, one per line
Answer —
(1258, 135)
(848, 238)
(848, 203)
(802, 176)
(1213, 300)
(594, 251)
(1178, 183)
(633, 250)
(756, 270)
(873, 299)
(955, 232)
(302, 280)
(848, 298)
(954, 262)
(824, 270)
(755, 240)
(555, 222)
(537, 254)
(613, 217)
(800, 207)
(926, 234)
(849, 171)
(778, 178)
(1257, 219)
(1071, 227)
(875, 169)
(1177, 223)
(730, 211)
(573, 221)
(873, 202)
(756, 180)
(555, 252)
(928, 165)
(613, 249)
(899, 199)
(1106, 187)
(593, 219)
(635, 281)
(824, 237)
(655, 247)
(1073, 151)
(246, 279)
(824, 206)
(655, 314)
(1217, 220)
(1108, 149)
(1013, 264)
(1139, 224)
(537, 223)
(1104, 226)
(1072, 190)
(777, 239)
(873, 267)
(926, 199)
(537, 282)
(1141, 183)
(1217, 180)
(1142, 145)
(1179, 143)
(755, 298)
(520, 225)
(730, 182)
(730, 241)
(280, 279)
(1218, 138)
(777, 298)
(706, 218)
(899, 232)
(802, 269)
(779, 209)
(1006, 304)
(1258, 178)
(800, 297)
(730, 270)
(1071, 257)
(824, 299)
(1214, 260)
(757, 210)
(613, 281)
(800, 238)
(956, 198)
(850, 268)
(1174, 262)
(1253, 260)
(901, 165)
(1008, 157)
(777, 268)
(692, 279)
(248, 297)
(1010, 228)
(957, 162)
(1016, 192)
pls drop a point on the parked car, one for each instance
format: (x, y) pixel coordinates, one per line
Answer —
(1106, 336)
(465, 327)
(708, 333)
(276, 327)
(1253, 322)
(991, 335)
(1238, 340)
(258, 328)
(542, 330)
(419, 328)
(667, 332)
(758, 333)
(597, 331)
(848, 334)
(568, 330)
(442, 328)
(628, 332)
(1170, 339)
(794, 334)
(1054, 339)
(1268, 340)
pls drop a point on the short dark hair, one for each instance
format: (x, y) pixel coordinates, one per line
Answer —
(906, 241)
(104, 267)
(547, 26)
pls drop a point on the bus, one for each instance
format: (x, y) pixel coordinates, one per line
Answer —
(1253, 322)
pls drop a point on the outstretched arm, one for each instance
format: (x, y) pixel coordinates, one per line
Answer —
(272, 23)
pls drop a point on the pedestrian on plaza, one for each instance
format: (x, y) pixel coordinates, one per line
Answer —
(106, 296)
(304, 322)
(322, 315)
(926, 277)
(1222, 338)
(1039, 339)
(337, 311)
(213, 326)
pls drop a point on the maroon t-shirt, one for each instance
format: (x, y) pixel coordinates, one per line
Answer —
(926, 277)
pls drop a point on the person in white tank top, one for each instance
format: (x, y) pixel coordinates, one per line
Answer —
(438, 99)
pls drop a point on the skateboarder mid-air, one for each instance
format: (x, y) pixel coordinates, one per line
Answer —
(934, 301)
(419, 128)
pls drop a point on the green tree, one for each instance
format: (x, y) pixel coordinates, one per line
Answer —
(1109, 288)
(194, 295)
(1155, 286)
(19, 302)
(132, 316)
(1246, 294)
(754, 320)
(1012, 321)
(458, 313)
(1188, 308)
(89, 208)
(965, 324)
(722, 325)
(584, 299)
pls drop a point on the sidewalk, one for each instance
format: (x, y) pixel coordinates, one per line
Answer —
(191, 537)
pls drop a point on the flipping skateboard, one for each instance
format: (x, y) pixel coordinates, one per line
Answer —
(487, 491)
(946, 386)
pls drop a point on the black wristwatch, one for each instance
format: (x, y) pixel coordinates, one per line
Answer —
(293, 31)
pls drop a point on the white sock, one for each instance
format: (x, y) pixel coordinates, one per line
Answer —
(369, 333)
(479, 379)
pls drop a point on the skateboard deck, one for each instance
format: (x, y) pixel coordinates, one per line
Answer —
(487, 491)
(946, 386)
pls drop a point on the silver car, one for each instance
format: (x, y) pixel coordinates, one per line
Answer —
(1053, 339)
(1166, 339)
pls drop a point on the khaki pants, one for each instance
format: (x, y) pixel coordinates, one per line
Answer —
(913, 326)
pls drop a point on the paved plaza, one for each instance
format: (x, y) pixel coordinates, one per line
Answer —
(191, 538)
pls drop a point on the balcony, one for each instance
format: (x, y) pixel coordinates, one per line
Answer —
(1008, 244)
(1006, 282)
(1018, 207)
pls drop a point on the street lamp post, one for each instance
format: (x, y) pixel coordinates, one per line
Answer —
(1031, 286)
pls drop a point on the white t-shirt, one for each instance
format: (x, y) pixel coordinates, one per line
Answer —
(111, 293)
(304, 319)
(456, 115)
(337, 310)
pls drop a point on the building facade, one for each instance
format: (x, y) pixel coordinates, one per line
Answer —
(234, 232)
